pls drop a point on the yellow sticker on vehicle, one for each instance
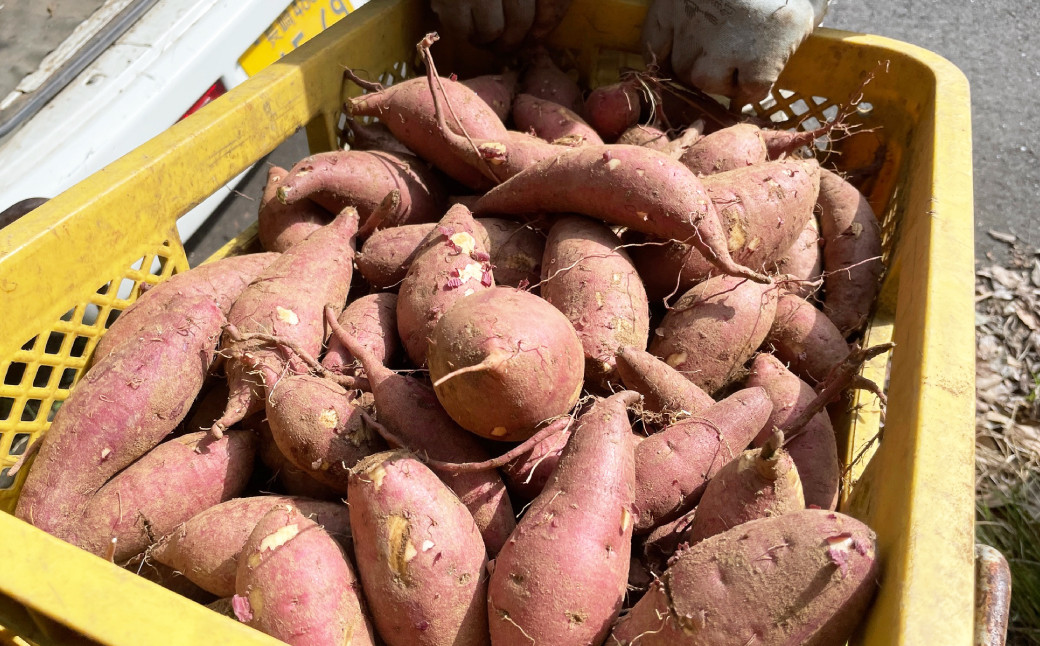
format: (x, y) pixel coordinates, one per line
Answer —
(301, 21)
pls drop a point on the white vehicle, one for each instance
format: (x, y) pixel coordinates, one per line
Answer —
(131, 71)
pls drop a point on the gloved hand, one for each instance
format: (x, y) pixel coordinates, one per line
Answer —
(735, 48)
(502, 24)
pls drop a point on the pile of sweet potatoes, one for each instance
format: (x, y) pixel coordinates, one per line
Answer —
(583, 401)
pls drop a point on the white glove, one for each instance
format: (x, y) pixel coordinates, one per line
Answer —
(735, 48)
(502, 24)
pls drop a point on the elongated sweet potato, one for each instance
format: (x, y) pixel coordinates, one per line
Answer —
(812, 587)
(387, 254)
(409, 408)
(814, 450)
(551, 121)
(125, 405)
(280, 226)
(503, 362)
(287, 300)
(543, 79)
(206, 547)
(803, 260)
(745, 144)
(295, 583)
(851, 253)
(677, 147)
(805, 339)
(317, 425)
(221, 282)
(759, 483)
(372, 320)
(285, 477)
(674, 465)
(613, 109)
(527, 475)
(362, 179)
(714, 329)
(578, 531)
(169, 485)
(762, 208)
(644, 135)
(419, 554)
(373, 136)
(664, 389)
(516, 251)
(452, 261)
(665, 540)
(407, 109)
(590, 278)
(630, 186)
(497, 90)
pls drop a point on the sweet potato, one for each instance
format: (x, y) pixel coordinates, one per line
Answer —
(497, 90)
(409, 408)
(285, 477)
(167, 486)
(221, 282)
(317, 426)
(407, 109)
(759, 483)
(527, 475)
(665, 540)
(503, 362)
(851, 253)
(206, 547)
(386, 255)
(803, 260)
(814, 450)
(372, 320)
(452, 261)
(296, 584)
(726, 149)
(665, 390)
(287, 300)
(674, 465)
(630, 186)
(544, 80)
(561, 577)
(362, 179)
(762, 209)
(677, 147)
(613, 109)
(373, 136)
(805, 339)
(714, 329)
(808, 575)
(125, 405)
(280, 226)
(590, 278)
(551, 121)
(644, 135)
(516, 251)
(419, 554)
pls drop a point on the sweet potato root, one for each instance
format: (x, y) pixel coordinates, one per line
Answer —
(613, 109)
(805, 339)
(665, 390)
(497, 90)
(644, 135)
(387, 254)
(372, 320)
(516, 251)
(280, 226)
(803, 260)
(544, 80)
(552, 121)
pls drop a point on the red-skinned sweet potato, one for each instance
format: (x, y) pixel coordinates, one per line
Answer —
(543, 79)
(759, 483)
(805, 339)
(387, 254)
(372, 320)
(551, 121)
(851, 253)
(409, 409)
(221, 282)
(287, 300)
(812, 587)
(206, 547)
(714, 329)
(516, 251)
(665, 390)
(419, 553)
(452, 261)
(613, 109)
(578, 530)
(527, 475)
(803, 260)
(407, 109)
(285, 477)
(169, 485)
(745, 144)
(644, 135)
(674, 465)
(123, 407)
(590, 278)
(280, 226)
(373, 136)
(504, 362)
(629, 186)
(814, 450)
(497, 90)
(296, 584)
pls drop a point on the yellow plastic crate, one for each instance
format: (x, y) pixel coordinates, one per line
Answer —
(63, 266)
